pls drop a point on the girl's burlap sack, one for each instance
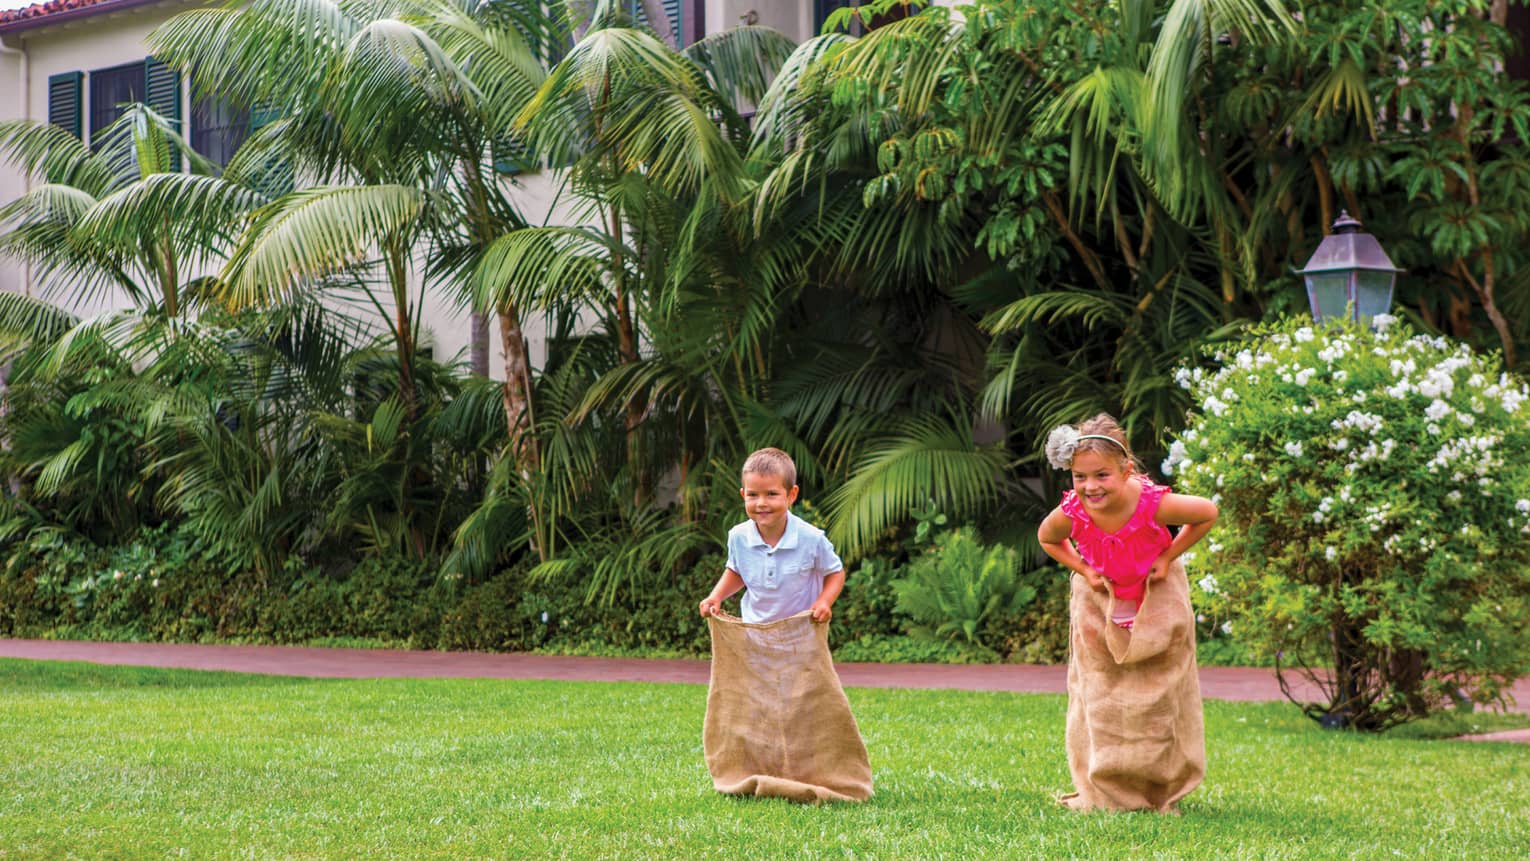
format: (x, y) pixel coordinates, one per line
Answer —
(1135, 734)
(778, 723)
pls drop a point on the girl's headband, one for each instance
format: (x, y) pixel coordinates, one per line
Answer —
(1065, 438)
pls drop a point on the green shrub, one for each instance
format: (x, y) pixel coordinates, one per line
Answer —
(35, 582)
(1039, 635)
(867, 606)
(901, 649)
(961, 588)
(1375, 499)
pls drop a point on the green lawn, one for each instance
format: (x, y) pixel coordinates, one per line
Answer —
(104, 762)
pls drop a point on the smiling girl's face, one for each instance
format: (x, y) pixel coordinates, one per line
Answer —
(1100, 480)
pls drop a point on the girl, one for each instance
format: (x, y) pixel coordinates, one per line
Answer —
(1135, 739)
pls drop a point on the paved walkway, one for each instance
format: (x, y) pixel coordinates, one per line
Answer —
(1247, 684)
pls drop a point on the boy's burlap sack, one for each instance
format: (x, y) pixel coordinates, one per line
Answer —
(1135, 734)
(777, 722)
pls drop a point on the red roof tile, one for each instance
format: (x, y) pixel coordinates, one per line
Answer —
(29, 16)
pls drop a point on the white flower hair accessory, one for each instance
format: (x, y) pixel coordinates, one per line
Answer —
(1060, 445)
(1062, 441)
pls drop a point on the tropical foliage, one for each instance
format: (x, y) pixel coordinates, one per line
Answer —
(899, 250)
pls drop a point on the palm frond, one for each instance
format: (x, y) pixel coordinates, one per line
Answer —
(314, 232)
(927, 458)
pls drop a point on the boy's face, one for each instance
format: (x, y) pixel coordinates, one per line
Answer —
(766, 500)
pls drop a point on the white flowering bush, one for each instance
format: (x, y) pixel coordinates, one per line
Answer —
(1375, 515)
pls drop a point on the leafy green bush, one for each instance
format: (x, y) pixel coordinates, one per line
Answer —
(1039, 635)
(959, 588)
(1375, 500)
(866, 607)
(902, 649)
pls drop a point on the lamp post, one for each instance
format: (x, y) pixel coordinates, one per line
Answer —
(1349, 275)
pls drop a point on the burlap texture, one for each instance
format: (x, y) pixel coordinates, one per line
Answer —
(778, 723)
(1135, 735)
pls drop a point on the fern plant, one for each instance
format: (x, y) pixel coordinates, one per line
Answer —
(960, 586)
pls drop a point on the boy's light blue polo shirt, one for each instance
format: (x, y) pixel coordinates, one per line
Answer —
(783, 580)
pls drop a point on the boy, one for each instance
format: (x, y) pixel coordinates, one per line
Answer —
(787, 564)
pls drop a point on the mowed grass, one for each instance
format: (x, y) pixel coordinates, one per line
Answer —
(108, 762)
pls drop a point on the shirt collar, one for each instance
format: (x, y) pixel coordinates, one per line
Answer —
(788, 538)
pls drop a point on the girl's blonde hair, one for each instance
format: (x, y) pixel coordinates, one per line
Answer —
(1101, 434)
(772, 461)
(1105, 424)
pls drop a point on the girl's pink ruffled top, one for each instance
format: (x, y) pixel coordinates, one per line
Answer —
(1125, 556)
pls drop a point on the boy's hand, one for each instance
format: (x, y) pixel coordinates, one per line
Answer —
(821, 612)
(710, 606)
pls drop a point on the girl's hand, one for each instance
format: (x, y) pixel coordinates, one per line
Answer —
(1160, 569)
(1093, 578)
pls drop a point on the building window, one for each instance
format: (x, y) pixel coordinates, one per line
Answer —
(217, 129)
(110, 91)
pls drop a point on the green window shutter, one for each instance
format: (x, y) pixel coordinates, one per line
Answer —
(513, 157)
(64, 105)
(162, 90)
(162, 93)
(671, 8)
(276, 177)
(263, 115)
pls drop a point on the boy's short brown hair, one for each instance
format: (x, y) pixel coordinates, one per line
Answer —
(772, 461)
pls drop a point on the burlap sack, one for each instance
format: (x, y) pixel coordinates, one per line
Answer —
(778, 723)
(1135, 734)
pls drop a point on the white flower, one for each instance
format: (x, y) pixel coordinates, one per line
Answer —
(1380, 322)
(1175, 458)
(154, 582)
(1302, 335)
(1330, 553)
(116, 575)
(1436, 410)
(1208, 584)
(1340, 376)
(1522, 506)
(1304, 376)
(1214, 406)
(1339, 444)
(1227, 627)
(1433, 428)
(1294, 449)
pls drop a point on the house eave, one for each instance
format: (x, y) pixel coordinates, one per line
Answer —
(64, 16)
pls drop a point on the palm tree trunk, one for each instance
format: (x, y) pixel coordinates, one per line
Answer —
(519, 418)
(627, 348)
(479, 350)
